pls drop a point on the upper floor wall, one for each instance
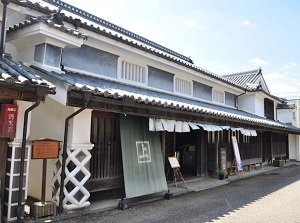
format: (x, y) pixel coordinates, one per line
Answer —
(258, 104)
(107, 58)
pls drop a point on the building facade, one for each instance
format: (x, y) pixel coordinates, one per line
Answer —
(124, 105)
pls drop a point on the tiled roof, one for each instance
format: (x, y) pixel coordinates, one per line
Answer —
(52, 21)
(16, 76)
(109, 25)
(245, 79)
(118, 91)
(105, 28)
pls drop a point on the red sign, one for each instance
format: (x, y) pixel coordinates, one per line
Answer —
(8, 120)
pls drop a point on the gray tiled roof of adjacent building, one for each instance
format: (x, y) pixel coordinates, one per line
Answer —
(244, 78)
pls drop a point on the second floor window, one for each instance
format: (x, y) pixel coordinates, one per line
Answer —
(218, 96)
(183, 86)
(133, 72)
(269, 108)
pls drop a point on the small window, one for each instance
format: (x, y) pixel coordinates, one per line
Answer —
(183, 86)
(294, 116)
(47, 54)
(132, 72)
(269, 108)
(218, 96)
(53, 55)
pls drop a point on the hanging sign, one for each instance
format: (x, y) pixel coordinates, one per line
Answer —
(237, 153)
(45, 149)
(8, 120)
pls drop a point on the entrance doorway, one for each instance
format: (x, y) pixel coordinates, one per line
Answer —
(106, 163)
(187, 148)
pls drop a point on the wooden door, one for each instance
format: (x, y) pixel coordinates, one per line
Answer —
(106, 162)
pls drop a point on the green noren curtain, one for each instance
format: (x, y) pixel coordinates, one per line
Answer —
(142, 157)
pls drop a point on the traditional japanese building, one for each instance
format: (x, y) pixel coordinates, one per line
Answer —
(124, 104)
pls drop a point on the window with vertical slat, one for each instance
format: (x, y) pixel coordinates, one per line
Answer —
(133, 72)
(183, 86)
(218, 96)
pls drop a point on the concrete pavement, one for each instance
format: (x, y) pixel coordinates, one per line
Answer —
(195, 184)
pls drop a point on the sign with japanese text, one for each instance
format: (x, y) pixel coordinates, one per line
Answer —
(237, 153)
(45, 149)
(8, 120)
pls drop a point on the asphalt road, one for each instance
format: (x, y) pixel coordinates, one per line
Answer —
(271, 197)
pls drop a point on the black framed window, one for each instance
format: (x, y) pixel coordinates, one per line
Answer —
(269, 108)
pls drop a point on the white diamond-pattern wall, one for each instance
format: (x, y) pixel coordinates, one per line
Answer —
(71, 201)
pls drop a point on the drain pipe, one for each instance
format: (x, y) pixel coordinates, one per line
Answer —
(5, 3)
(41, 92)
(87, 95)
(236, 99)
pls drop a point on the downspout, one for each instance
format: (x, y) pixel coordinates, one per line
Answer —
(5, 3)
(236, 98)
(41, 92)
(87, 95)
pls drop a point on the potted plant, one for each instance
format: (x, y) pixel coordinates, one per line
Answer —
(221, 173)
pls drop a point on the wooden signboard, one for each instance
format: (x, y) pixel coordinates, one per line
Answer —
(175, 167)
(174, 162)
(45, 149)
(223, 159)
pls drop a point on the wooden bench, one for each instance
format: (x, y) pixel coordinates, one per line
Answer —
(253, 162)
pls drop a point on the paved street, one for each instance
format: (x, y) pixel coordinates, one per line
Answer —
(271, 197)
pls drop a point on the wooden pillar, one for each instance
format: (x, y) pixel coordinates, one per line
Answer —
(203, 152)
(217, 148)
(198, 153)
(174, 142)
(3, 157)
(271, 144)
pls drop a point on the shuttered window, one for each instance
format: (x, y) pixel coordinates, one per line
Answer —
(133, 72)
(183, 86)
(218, 96)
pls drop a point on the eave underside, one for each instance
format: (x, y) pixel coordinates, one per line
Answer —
(129, 106)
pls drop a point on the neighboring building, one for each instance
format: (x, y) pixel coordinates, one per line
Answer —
(288, 112)
(124, 104)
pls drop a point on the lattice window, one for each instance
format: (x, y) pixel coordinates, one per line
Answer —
(183, 86)
(218, 96)
(133, 72)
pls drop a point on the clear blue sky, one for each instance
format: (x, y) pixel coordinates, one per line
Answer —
(222, 36)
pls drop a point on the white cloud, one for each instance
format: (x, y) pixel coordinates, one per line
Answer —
(190, 24)
(282, 84)
(293, 64)
(258, 62)
(245, 23)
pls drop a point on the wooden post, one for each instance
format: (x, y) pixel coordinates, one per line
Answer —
(216, 148)
(174, 142)
(3, 158)
(43, 199)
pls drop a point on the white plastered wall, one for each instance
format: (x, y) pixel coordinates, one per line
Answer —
(294, 143)
(247, 103)
(48, 121)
